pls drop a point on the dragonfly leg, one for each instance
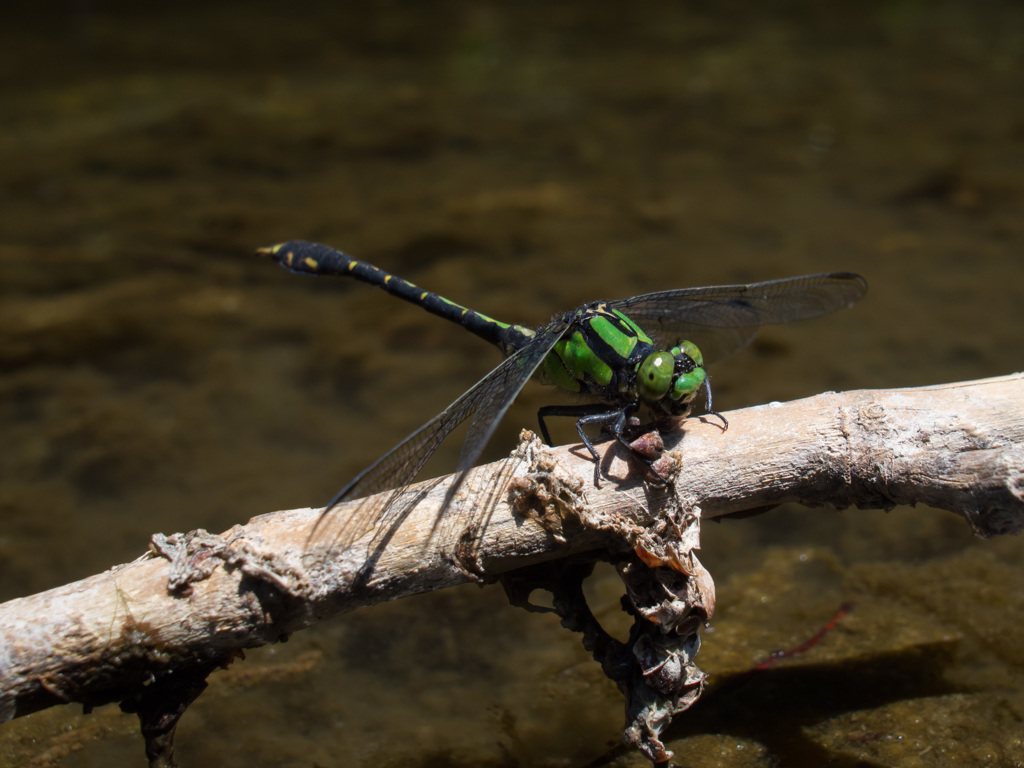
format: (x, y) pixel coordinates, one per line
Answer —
(708, 408)
(612, 422)
(585, 413)
(576, 411)
(596, 412)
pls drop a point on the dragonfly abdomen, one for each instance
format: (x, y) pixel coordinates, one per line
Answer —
(308, 258)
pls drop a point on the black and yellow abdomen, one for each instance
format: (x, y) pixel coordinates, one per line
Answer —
(308, 258)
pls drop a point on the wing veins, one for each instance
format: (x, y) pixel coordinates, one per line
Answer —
(397, 468)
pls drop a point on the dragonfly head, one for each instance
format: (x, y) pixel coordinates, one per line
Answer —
(671, 379)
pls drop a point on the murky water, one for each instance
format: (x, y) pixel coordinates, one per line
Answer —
(522, 159)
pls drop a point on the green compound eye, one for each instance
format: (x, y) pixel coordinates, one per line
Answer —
(687, 384)
(689, 348)
(689, 363)
(654, 376)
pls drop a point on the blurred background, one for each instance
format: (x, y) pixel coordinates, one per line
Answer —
(155, 375)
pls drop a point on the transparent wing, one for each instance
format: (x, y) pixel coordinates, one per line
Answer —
(486, 402)
(721, 319)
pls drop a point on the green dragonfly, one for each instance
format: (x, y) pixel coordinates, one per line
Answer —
(618, 356)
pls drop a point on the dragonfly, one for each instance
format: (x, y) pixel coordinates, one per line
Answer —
(618, 357)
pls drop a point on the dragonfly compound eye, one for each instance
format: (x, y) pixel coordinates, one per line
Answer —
(688, 349)
(689, 371)
(654, 377)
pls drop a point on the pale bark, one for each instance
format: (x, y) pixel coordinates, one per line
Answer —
(195, 600)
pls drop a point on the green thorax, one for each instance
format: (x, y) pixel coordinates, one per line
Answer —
(598, 354)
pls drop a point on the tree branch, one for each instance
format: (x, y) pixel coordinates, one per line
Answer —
(196, 600)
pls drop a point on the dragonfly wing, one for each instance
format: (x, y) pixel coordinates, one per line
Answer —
(504, 384)
(489, 406)
(486, 401)
(722, 319)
